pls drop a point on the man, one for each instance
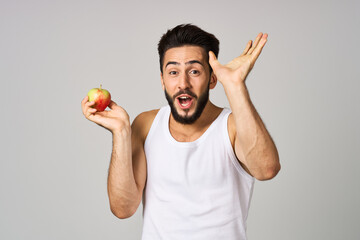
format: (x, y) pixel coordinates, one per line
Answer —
(192, 163)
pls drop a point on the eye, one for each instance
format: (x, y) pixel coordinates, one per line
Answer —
(195, 72)
(172, 73)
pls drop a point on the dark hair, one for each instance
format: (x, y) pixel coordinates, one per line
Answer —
(187, 34)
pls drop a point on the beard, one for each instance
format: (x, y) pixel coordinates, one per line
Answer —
(201, 103)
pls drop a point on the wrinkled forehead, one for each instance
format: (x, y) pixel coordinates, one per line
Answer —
(185, 54)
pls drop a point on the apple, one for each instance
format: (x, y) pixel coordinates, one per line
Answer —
(101, 97)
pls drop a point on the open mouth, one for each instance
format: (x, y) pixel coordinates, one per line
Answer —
(184, 101)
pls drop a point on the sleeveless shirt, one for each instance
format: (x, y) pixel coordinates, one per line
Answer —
(194, 190)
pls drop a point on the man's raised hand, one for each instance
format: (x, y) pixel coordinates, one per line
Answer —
(237, 70)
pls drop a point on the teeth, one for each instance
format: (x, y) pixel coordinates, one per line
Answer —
(183, 98)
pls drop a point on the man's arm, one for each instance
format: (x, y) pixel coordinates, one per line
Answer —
(127, 170)
(126, 189)
(252, 143)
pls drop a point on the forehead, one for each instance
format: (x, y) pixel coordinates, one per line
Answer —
(184, 54)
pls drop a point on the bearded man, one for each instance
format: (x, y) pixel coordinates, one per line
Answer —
(192, 163)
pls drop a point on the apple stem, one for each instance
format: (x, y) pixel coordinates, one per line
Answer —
(100, 86)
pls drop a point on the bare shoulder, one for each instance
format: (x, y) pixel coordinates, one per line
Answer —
(142, 123)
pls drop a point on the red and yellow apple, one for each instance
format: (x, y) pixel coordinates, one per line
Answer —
(101, 97)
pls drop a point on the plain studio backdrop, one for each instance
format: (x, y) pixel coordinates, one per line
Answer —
(54, 162)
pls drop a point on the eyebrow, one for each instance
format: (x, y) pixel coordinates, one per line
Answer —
(187, 63)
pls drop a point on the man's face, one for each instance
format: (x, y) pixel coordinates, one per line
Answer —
(186, 81)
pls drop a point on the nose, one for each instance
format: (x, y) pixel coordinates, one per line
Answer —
(184, 81)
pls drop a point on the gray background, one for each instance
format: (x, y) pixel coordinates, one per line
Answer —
(54, 162)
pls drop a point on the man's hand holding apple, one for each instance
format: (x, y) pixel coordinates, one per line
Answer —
(116, 119)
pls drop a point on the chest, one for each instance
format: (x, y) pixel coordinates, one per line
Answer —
(184, 135)
(190, 168)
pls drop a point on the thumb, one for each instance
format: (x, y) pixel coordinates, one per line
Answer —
(214, 63)
(112, 104)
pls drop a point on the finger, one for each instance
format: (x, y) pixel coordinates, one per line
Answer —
(86, 106)
(89, 104)
(256, 42)
(259, 48)
(83, 102)
(90, 112)
(85, 99)
(257, 39)
(112, 104)
(248, 46)
(214, 63)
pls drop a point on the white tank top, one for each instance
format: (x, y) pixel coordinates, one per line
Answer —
(194, 190)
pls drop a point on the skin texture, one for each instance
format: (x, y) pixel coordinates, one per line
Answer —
(186, 69)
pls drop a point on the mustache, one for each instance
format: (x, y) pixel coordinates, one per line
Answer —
(188, 92)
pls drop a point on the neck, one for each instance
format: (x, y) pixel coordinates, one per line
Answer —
(190, 132)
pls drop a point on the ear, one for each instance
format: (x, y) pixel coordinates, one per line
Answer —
(213, 80)
(162, 81)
